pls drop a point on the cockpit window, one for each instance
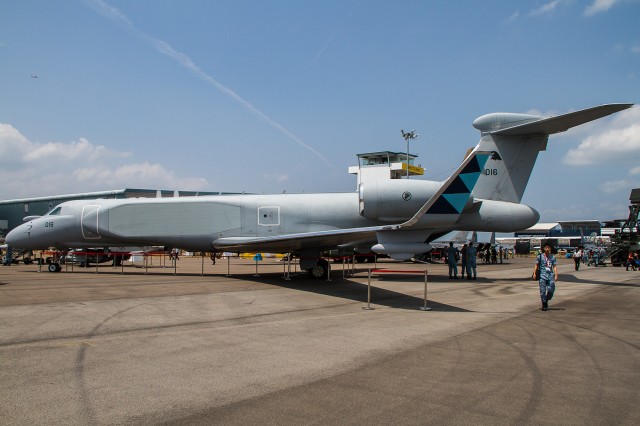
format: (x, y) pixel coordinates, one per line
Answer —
(54, 212)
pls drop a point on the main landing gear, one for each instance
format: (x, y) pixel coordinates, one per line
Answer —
(320, 271)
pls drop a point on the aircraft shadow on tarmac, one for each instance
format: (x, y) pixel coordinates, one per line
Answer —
(356, 291)
(633, 281)
(572, 278)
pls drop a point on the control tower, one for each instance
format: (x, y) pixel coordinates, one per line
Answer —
(385, 165)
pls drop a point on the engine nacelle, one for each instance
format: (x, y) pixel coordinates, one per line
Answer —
(497, 216)
(394, 200)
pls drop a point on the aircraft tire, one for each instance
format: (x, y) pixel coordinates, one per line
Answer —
(320, 271)
(54, 267)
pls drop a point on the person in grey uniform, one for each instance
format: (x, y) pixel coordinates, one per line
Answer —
(452, 261)
(472, 255)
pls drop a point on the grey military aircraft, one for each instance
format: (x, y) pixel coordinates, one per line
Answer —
(397, 217)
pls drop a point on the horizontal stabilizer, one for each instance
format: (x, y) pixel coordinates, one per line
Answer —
(561, 123)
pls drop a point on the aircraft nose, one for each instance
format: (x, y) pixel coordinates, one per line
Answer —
(19, 237)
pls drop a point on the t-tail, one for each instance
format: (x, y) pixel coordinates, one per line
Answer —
(518, 138)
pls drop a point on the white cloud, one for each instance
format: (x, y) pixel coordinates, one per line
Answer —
(635, 49)
(34, 169)
(615, 186)
(513, 16)
(599, 6)
(546, 8)
(619, 141)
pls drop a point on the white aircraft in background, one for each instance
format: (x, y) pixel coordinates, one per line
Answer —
(397, 217)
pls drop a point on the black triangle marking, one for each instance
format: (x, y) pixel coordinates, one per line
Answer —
(457, 187)
(442, 206)
(472, 167)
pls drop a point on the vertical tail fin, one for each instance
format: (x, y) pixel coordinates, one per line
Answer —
(518, 138)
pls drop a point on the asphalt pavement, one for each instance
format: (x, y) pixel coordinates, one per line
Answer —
(138, 345)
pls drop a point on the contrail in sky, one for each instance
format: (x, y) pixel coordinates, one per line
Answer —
(163, 47)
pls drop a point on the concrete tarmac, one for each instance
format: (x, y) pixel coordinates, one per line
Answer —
(120, 346)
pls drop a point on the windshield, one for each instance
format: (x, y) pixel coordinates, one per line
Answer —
(54, 212)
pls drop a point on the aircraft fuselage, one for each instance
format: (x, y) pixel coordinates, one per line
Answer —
(194, 223)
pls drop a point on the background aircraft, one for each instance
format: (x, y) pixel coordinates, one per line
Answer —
(397, 217)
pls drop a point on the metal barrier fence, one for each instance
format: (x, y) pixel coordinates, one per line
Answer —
(397, 272)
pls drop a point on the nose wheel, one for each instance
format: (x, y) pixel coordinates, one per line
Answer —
(54, 267)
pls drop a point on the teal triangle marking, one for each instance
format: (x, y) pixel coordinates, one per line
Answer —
(470, 179)
(457, 200)
(482, 160)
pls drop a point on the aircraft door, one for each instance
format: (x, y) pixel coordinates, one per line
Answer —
(89, 222)
(249, 218)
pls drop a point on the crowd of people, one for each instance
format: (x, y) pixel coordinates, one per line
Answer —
(469, 255)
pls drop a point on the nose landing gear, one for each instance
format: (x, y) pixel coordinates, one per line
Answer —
(54, 267)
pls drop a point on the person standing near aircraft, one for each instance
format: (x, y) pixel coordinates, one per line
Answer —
(472, 254)
(546, 264)
(463, 260)
(452, 261)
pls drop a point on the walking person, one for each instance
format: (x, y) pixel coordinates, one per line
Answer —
(577, 258)
(463, 260)
(472, 255)
(452, 261)
(548, 275)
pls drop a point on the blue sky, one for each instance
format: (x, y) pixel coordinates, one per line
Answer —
(269, 96)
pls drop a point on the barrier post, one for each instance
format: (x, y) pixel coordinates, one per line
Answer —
(288, 278)
(96, 261)
(257, 258)
(228, 265)
(343, 262)
(175, 264)
(202, 253)
(146, 265)
(329, 269)
(122, 263)
(368, 307)
(425, 307)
